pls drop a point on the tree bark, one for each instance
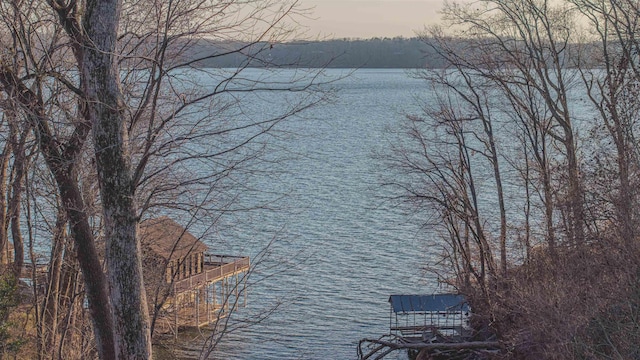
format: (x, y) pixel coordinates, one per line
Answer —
(100, 83)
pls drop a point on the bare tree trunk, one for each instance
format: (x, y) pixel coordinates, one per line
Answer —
(19, 169)
(575, 199)
(476, 227)
(503, 213)
(100, 81)
(4, 222)
(52, 298)
(527, 206)
(70, 285)
(74, 314)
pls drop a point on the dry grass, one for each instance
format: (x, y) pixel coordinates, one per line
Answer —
(583, 303)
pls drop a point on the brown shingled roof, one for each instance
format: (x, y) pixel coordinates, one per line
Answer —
(167, 239)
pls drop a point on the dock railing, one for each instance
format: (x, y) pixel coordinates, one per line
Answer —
(216, 267)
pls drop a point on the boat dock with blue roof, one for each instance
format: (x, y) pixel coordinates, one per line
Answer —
(430, 325)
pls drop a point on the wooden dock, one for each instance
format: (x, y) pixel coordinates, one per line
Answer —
(206, 297)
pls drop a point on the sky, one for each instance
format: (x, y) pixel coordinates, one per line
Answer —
(370, 18)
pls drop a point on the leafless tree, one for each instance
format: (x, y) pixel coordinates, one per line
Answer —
(120, 73)
(506, 65)
(538, 71)
(609, 69)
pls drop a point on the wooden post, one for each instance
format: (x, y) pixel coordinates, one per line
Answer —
(390, 317)
(237, 284)
(225, 293)
(245, 289)
(197, 303)
(175, 311)
(215, 303)
(222, 292)
(207, 303)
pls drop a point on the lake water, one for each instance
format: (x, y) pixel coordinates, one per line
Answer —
(339, 249)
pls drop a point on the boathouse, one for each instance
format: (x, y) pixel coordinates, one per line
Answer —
(422, 316)
(186, 285)
(434, 326)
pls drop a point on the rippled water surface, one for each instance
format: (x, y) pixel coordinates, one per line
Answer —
(339, 250)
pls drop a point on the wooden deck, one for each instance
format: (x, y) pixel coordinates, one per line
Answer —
(216, 268)
(203, 299)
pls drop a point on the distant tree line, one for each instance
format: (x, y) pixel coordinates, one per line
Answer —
(340, 53)
(374, 53)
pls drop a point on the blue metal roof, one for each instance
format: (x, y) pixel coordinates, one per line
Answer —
(426, 303)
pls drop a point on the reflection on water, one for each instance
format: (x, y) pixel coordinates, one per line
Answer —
(339, 249)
